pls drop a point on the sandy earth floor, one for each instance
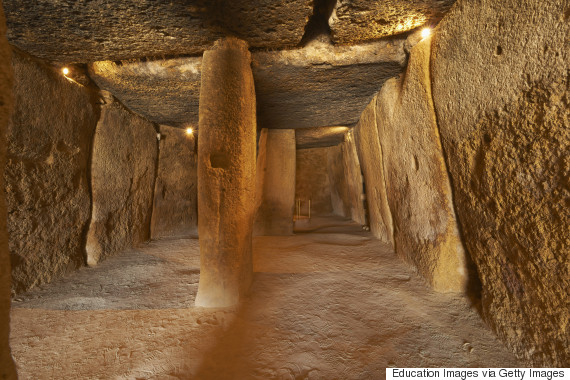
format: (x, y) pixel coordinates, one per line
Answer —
(328, 303)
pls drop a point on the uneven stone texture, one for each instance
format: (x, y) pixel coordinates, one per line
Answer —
(346, 181)
(260, 166)
(318, 85)
(175, 206)
(319, 137)
(322, 85)
(371, 161)
(49, 142)
(417, 184)
(312, 181)
(226, 173)
(275, 214)
(500, 86)
(337, 180)
(123, 172)
(335, 304)
(87, 31)
(7, 370)
(165, 91)
(355, 21)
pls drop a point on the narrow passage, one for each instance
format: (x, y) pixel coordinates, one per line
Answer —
(330, 302)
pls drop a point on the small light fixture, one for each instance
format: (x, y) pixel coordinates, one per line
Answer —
(65, 71)
(426, 32)
(189, 131)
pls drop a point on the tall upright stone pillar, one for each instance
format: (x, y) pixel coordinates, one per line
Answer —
(226, 173)
(275, 214)
(7, 370)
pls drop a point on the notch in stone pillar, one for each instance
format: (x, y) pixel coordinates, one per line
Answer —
(226, 173)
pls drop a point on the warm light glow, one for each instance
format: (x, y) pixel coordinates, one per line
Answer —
(65, 71)
(426, 32)
(189, 131)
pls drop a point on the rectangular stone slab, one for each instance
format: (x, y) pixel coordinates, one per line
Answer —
(95, 30)
(175, 205)
(123, 172)
(47, 184)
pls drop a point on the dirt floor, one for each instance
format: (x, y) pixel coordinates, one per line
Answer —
(330, 302)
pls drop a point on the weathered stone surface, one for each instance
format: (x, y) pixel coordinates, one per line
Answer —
(123, 172)
(319, 85)
(7, 370)
(312, 181)
(417, 184)
(371, 161)
(319, 137)
(354, 21)
(87, 31)
(164, 91)
(346, 181)
(322, 85)
(226, 174)
(275, 213)
(260, 167)
(175, 206)
(47, 186)
(500, 86)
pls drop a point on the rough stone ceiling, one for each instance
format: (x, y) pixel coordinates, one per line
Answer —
(147, 53)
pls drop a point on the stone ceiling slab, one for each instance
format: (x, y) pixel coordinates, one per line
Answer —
(319, 137)
(322, 85)
(354, 21)
(319, 85)
(93, 30)
(166, 92)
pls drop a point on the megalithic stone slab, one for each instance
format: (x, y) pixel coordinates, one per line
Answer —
(372, 163)
(123, 172)
(354, 21)
(7, 370)
(275, 214)
(314, 86)
(501, 91)
(417, 183)
(95, 30)
(226, 173)
(175, 206)
(47, 173)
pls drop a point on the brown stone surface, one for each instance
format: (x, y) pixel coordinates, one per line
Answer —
(312, 181)
(47, 185)
(7, 370)
(123, 172)
(346, 181)
(417, 184)
(226, 173)
(275, 213)
(92, 30)
(165, 91)
(175, 206)
(371, 161)
(335, 304)
(319, 137)
(500, 74)
(318, 85)
(355, 21)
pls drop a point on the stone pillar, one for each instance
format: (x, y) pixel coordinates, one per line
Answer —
(226, 173)
(7, 370)
(275, 214)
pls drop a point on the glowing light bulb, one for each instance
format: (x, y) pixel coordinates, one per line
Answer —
(65, 71)
(189, 131)
(426, 32)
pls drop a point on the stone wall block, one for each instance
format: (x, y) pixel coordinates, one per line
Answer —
(501, 92)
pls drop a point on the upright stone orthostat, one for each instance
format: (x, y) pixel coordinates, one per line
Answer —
(7, 370)
(275, 214)
(226, 173)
